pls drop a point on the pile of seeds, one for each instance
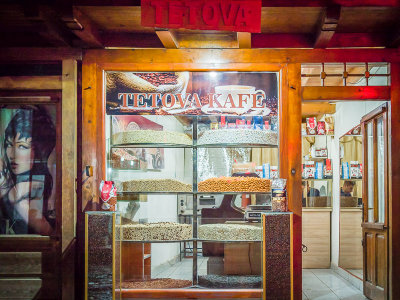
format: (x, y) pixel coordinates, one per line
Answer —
(151, 137)
(230, 282)
(238, 136)
(230, 232)
(235, 184)
(162, 231)
(158, 283)
(156, 185)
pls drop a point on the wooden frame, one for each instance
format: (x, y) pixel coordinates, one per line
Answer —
(289, 89)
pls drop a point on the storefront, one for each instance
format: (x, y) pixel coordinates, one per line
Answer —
(193, 139)
(97, 67)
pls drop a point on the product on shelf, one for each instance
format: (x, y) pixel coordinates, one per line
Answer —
(309, 171)
(321, 128)
(156, 185)
(279, 200)
(311, 126)
(162, 231)
(345, 170)
(238, 136)
(108, 194)
(329, 125)
(231, 281)
(235, 184)
(230, 232)
(319, 170)
(328, 169)
(151, 137)
(355, 170)
(121, 159)
(158, 283)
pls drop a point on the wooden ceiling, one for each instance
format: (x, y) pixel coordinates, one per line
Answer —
(117, 24)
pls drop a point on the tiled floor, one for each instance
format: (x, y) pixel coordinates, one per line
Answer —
(358, 273)
(318, 284)
(324, 284)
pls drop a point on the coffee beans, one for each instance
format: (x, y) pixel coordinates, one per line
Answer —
(156, 185)
(235, 184)
(158, 79)
(238, 136)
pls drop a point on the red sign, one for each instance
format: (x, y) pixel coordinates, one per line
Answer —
(230, 15)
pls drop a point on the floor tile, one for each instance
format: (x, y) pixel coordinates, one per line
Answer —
(347, 292)
(321, 295)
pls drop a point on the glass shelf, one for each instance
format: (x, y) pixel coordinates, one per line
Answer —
(152, 145)
(315, 179)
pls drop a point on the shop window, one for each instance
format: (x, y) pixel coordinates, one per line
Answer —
(27, 169)
(345, 74)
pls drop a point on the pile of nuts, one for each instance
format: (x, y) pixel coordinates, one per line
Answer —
(235, 184)
(151, 137)
(238, 136)
(230, 232)
(162, 231)
(156, 185)
(158, 79)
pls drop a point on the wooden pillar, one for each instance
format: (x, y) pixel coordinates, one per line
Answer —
(394, 184)
(290, 159)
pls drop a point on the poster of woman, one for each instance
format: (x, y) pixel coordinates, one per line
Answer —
(27, 170)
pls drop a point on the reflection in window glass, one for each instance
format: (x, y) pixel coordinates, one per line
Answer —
(27, 169)
(370, 150)
(381, 171)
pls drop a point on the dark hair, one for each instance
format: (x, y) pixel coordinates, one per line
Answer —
(349, 183)
(34, 122)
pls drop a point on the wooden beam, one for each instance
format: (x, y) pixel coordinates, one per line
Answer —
(31, 82)
(131, 40)
(57, 33)
(265, 3)
(244, 39)
(8, 55)
(354, 40)
(167, 38)
(222, 58)
(281, 40)
(87, 31)
(356, 93)
(212, 40)
(327, 26)
(309, 109)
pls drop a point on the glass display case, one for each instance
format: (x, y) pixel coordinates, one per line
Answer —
(188, 179)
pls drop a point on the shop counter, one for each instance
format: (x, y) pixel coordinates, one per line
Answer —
(316, 232)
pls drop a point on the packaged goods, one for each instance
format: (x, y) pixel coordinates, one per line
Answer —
(238, 136)
(279, 200)
(328, 169)
(274, 172)
(361, 171)
(323, 152)
(345, 170)
(223, 122)
(355, 169)
(214, 125)
(259, 171)
(319, 170)
(108, 194)
(156, 185)
(151, 137)
(235, 184)
(303, 129)
(266, 169)
(321, 128)
(311, 126)
(329, 125)
(258, 122)
(230, 232)
(162, 231)
(310, 169)
(243, 167)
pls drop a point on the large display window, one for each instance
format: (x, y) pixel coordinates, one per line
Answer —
(192, 155)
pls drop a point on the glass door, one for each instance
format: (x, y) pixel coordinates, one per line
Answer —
(375, 199)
